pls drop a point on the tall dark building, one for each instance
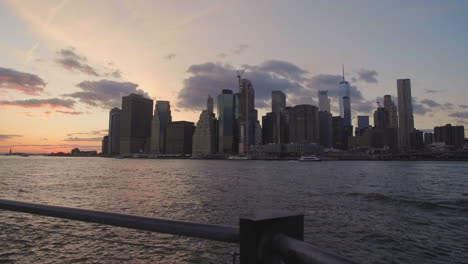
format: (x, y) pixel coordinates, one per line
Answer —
(278, 101)
(347, 116)
(405, 113)
(135, 124)
(247, 115)
(179, 137)
(325, 129)
(340, 139)
(363, 125)
(380, 118)
(105, 146)
(275, 121)
(267, 128)
(114, 131)
(226, 123)
(324, 101)
(162, 117)
(363, 121)
(417, 140)
(428, 138)
(391, 112)
(451, 135)
(303, 124)
(384, 134)
(205, 137)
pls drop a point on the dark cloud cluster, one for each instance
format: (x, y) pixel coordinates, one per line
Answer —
(434, 104)
(6, 137)
(368, 76)
(211, 78)
(41, 103)
(105, 93)
(281, 68)
(462, 115)
(420, 109)
(27, 83)
(70, 60)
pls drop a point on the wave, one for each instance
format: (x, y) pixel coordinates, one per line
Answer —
(460, 204)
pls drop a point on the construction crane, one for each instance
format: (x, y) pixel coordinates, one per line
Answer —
(239, 76)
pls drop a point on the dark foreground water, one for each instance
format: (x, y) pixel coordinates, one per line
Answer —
(370, 212)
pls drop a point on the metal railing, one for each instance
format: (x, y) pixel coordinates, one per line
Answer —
(262, 240)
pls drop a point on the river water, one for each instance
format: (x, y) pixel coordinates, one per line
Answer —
(367, 211)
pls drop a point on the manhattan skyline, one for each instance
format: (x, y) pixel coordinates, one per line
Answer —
(65, 64)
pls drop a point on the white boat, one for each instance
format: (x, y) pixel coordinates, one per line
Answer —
(232, 157)
(309, 158)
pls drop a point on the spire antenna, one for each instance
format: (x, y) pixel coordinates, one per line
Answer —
(343, 73)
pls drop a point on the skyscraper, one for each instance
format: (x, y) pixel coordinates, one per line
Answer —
(405, 113)
(205, 136)
(114, 131)
(363, 121)
(304, 124)
(340, 140)
(135, 124)
(380, 118)
(324, 101)
(105, 146)
(278, 101)
(162, 117)
(226, 122)
(179, 137)
(344, 91)
(347, 115)
(247, 115)
(325, 129)
(391, 112)
(451, 135)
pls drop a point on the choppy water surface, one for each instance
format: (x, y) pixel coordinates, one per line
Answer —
(370, 212)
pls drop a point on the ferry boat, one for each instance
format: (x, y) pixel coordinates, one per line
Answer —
(232, 157)
(309, 158)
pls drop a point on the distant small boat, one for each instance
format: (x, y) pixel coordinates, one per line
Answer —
(237, 158)
(309, 158)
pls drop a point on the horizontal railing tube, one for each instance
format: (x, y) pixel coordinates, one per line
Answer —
(297, 251)
(206, 231)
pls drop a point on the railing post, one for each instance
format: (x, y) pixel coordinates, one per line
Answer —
(258, 230)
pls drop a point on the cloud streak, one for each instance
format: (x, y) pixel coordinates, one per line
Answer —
(27, 83)
(462, 115)
(41, 103)
(101, 132)
(70, 60)
(8, 137)
(83, 139)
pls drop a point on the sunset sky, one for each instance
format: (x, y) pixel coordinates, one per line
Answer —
(65, 64)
